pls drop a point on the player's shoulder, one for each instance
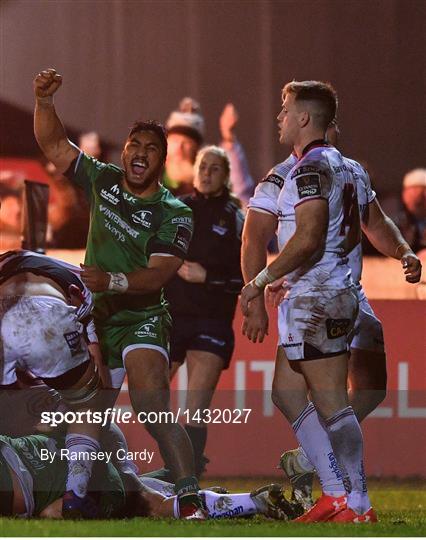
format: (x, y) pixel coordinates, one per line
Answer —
(277, 175)
(172, 205)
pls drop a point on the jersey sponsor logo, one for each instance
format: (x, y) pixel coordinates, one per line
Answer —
(146, 330)
(223, 508)
(183, 220)
(274, 179)
(115, 218)
(288, 345)
(219, 230)
(340, 169)
(142, 217)
(73, 340)
(308, 185)
(109, 197)
(337, 328)
(182, 237)
(129, 198)
(115, 189)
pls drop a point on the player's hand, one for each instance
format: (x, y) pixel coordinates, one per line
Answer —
(248, 293)
(95, 279)
(256, 322)
(103, 370)
(275, 292)
(46, 83)
(227, 122)
(412, 267)
(192, 272)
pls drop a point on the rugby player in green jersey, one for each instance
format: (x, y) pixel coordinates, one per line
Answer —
(139, 234)
(33, 477)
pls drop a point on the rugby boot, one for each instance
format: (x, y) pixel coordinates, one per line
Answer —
(271, 501)
(324, 509)
(350, 516)
(301, 480)
(74, 507)
(191, 507)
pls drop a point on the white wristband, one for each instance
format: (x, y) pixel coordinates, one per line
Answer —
(263, 278)
(118, 282)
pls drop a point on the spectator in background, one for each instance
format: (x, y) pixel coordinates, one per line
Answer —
(10, 219)
(204, 294)
(412, 221)
(186, 130)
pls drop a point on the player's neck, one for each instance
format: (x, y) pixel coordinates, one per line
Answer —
(144, 191)
(307, 138)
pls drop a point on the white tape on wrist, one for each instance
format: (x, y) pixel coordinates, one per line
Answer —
(118, 282)
(263, 278)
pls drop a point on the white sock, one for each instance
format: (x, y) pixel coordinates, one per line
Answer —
(79, 468)
(229, 505)
(346, 438)
(314, 440)
(176, 513)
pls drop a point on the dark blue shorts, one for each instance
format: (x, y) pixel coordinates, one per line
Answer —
(195, 334)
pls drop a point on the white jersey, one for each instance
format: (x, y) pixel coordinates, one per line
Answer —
(265, 199)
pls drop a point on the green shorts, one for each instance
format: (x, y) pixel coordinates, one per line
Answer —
(149, 332)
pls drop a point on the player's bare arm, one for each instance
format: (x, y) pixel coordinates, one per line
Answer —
(48, 128)
(305, 246)
(387, 238)
(259, 228)
(142, 281)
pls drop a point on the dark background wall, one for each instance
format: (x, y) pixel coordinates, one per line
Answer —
(127, 59)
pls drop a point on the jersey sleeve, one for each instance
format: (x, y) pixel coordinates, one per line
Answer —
(266, 194)
(84, 170)
(308, 182)
(174, 235)
(371, 194)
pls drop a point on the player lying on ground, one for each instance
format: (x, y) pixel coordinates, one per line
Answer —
(45, 311)
(33, 478)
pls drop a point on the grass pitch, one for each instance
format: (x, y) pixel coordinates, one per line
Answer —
(401, 508)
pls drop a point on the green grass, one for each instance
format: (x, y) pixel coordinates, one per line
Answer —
(401, 508)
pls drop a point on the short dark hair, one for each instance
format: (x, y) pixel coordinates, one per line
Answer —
(154, 127)
(322, 93)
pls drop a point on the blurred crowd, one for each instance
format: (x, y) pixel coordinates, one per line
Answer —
(68, 209)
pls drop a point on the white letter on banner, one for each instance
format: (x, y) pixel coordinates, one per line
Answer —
(404, 410)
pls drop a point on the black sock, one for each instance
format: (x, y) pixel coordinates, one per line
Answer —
(198, 436)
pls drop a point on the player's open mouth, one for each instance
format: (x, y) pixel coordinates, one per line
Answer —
(138, 166)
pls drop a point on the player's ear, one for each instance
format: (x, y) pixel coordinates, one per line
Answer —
(304, 118)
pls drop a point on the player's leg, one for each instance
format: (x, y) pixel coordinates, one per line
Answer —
(204, 370)
(289, 393)
(148, 379)
(367, 364)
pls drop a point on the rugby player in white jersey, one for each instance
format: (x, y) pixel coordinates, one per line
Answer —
(367, 364)
(318, 227)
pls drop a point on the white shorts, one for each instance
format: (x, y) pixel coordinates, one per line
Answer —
(40, 334)
(317, 324)
(368, 331)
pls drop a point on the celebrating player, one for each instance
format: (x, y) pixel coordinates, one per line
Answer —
(138, 237)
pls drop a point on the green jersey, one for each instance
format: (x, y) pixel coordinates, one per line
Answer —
(125, 231)
(43, 480)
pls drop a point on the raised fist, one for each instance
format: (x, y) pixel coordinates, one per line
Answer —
(46, 83)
